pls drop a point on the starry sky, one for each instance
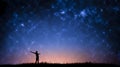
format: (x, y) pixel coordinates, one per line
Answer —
(62, 31)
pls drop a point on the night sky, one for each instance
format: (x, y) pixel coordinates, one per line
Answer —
(62, 31)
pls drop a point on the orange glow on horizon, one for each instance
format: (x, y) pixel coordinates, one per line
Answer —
(55, 58)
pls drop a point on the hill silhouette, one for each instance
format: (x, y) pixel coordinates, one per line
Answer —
(67, 64)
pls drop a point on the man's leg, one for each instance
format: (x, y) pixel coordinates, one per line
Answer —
(36, 62)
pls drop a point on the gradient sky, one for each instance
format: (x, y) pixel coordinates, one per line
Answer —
(63, 31)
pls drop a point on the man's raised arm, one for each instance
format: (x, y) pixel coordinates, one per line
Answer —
(32, 52)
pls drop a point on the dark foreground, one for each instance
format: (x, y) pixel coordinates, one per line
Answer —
(69, 65)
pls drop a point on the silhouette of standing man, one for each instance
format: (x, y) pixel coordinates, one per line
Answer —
(37, 56)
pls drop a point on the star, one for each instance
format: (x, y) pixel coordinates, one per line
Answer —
(22, 24)
(83, 13)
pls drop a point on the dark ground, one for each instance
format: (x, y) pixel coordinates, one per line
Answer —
(57, 65)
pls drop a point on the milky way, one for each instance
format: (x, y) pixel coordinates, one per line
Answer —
(62, 31)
